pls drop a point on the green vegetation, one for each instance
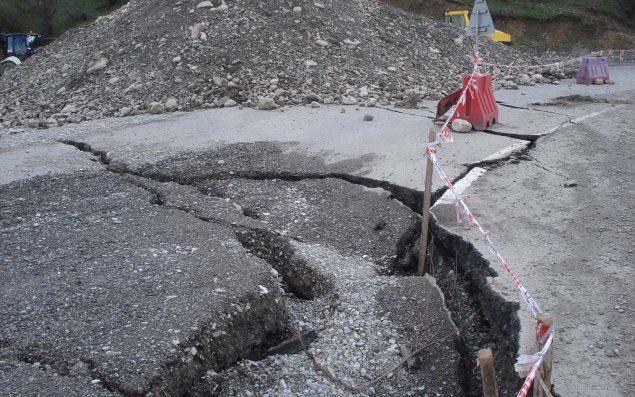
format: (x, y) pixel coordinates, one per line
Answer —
(545, 10)
(52, 17)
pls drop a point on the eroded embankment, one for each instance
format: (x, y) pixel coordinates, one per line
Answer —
(484, 318)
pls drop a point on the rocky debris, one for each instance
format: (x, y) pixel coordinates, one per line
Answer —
(148, 51)
(369, 117)
(460, 125)
(365, 327)
(18, 379)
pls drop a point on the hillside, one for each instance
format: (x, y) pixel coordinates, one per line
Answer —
(52, 17)
(560, 25)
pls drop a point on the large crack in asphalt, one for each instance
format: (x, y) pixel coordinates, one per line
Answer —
(483, 317)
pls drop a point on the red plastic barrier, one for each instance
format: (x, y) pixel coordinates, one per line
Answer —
(479, 107)
(591, 68)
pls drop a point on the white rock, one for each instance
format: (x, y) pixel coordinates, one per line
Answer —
(349, 100)
(315, 104)
(460, 125)
(205, 4)
(538, 78)
(310, 63)
(319, 5)
(598, 81)
(230, 103)
(266, 104)
(97, 66)
(322, 43)
(156, 108)
(69, 109)
(124, 111)
(297, 9)
(197, 30)
(171, 105)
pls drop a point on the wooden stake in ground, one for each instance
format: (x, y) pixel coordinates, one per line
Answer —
(542, 385)
(486, 362)
(427, 197)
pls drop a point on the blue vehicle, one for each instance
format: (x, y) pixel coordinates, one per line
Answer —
(17, 47)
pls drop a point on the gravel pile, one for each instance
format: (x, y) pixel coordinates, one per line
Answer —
(155, 56)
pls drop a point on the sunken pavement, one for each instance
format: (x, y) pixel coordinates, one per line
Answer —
(154, 279)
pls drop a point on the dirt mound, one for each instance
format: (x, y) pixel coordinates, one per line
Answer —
(156, 56)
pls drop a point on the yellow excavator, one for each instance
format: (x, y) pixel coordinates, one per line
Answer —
(461, 19)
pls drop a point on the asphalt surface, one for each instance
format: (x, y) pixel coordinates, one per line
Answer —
(137, 276)
(93, 271)
(562, 215)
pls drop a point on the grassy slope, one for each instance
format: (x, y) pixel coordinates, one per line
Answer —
(549, 24)
(545, 10)
(28, 15)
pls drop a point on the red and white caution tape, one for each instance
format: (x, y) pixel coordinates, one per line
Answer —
(446, 133)
(534, 369)
(463, 211)
(556, 65)
(545, 334)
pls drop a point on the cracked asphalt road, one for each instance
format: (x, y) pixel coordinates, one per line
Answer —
(65, 235)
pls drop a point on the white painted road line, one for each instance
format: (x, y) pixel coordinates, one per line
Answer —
(578, 120)
(461, 186)
(505, 152)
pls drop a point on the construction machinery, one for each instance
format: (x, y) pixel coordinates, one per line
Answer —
(17, 47)
(461, 19)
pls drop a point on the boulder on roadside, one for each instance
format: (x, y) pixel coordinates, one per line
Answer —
(266, 104)
(460, 125)
(171, 105)
(156, 108)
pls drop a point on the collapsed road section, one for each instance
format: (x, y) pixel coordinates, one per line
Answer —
(178, 278)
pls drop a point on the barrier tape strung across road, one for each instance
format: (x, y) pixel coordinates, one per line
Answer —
(556, 65)
(534, 369)
(463, 210)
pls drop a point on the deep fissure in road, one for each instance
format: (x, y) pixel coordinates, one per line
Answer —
(483, 318)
